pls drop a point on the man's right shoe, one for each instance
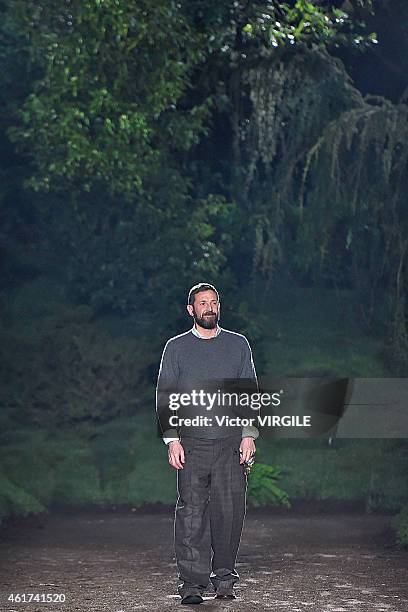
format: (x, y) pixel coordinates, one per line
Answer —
(192, 599)
(191, 593)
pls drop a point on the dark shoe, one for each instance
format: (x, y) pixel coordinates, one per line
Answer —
(223, 583)
(192, 599)
(191, 593)
(225, 589)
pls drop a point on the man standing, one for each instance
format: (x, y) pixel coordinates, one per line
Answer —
(211, 482)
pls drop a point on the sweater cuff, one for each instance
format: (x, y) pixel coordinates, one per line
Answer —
(250, 431)
(170, 435)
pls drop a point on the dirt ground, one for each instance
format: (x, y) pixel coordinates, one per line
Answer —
(119, 561)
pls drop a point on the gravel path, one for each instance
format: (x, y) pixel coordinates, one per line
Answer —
(123, 561)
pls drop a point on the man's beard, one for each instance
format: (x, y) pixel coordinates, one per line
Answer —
(209, 322)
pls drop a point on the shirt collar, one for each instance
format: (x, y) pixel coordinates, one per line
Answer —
(197, 333)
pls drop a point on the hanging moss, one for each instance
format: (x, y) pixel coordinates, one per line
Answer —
(326, 177)
(356, 178)
(293, 97)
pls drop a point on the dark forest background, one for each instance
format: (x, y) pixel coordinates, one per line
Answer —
(148, 146)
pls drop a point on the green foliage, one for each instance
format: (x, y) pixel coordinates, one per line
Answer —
(306, 22)
(119, 103)
(315, 330)
(269, 24)
(324, 182)
(396, 346)
(293, 97)
(124, 462)
(351, 471)
(28, 462)
(104, 463)
(116, 121)
(137, 257)
(263, 489)
(104, 108)
(358, 173)
(362, 146)
(400, 524)
(114, 133)
(71, 370)
(15, 501)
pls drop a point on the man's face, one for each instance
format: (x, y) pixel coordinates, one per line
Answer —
(206, 309)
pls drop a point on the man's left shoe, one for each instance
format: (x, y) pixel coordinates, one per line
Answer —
(225, 589)
(224, 585)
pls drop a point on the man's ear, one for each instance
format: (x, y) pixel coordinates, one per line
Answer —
(190, 310)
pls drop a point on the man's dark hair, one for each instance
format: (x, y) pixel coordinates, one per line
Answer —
(198, 288)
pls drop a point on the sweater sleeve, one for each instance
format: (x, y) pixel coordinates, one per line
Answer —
(248, 372)
(166, 383)
(247, 363)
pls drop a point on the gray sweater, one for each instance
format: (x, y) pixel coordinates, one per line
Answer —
(189, 362)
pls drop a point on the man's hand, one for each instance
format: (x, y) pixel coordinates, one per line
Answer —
(176, 454)
(247, 449)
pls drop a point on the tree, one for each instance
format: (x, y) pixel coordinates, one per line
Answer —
(108, 126)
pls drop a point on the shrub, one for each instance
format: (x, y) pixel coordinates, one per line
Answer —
(400, 524)
(70, 370)
(263, 488)
(16, 501)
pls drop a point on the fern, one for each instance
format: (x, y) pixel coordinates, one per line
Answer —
(263, 488)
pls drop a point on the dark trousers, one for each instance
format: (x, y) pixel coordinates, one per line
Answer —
(210, 510)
